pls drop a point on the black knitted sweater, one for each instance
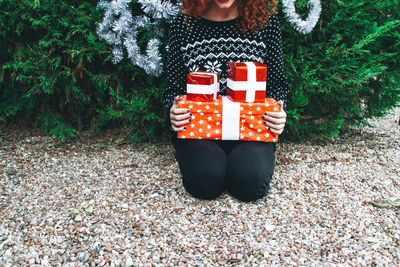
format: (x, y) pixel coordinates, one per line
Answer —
(209, 45)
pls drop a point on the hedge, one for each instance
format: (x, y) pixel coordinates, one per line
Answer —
(57, 73)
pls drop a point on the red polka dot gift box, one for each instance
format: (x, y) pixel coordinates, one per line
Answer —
(247, 81)
(224, 119)
(202, 86)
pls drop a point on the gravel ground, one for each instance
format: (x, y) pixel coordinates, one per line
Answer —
(99, 201)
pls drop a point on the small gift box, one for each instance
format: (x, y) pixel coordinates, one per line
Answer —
(247, 81)
(202, 86)
(223, 119)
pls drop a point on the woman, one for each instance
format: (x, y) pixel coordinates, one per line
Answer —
(208, 35)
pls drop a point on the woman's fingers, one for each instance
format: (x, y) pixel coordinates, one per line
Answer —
(281, 120)
(276, 131)
(177, 124)
(180, 123)
(180, 117)
(275, 121)
(177, 111)
(273, 126)
(177, 129)
(280, 114)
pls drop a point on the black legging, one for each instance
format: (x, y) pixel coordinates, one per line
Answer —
(209, 167)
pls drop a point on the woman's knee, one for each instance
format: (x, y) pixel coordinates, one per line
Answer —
(203, 167)
(250, 169)
(248, 187)
(207, 184)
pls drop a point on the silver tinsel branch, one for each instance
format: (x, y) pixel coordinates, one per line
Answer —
(120, 29)
(303, 26)
(164, 10)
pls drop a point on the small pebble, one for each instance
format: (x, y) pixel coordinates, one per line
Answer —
(129, 261)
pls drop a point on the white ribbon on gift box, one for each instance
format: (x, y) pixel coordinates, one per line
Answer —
(204, 88)
(251, 85)
(230, 119)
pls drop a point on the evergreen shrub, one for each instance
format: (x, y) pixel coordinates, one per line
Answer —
(56, 72)
(347, 70)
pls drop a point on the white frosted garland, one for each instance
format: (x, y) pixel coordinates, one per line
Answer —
(120, 29)
(303, 26)
(155, 9)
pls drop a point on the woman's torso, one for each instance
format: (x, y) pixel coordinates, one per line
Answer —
(209, 45)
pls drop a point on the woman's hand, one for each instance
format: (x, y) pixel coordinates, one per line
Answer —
(275, 121)
(179, 116)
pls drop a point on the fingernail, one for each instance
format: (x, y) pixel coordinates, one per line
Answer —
(265, 122)
(184, 128)
(190, 119)
(266, 113)
(188, 111)
(190, 114)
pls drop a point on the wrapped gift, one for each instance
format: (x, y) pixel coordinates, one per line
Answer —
(224, 119)
(247, 81)
(202, 86)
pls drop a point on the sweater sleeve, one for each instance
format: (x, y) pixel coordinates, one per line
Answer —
(175, 72)
(277, 85)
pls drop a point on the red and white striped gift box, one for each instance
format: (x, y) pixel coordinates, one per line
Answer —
(247, 81)
(202, 86)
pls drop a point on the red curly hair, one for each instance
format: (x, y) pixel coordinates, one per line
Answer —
(253, 14)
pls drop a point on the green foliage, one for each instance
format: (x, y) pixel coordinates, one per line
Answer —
(54, 125)
(56, 71)
(346, 70)
(133, 113)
